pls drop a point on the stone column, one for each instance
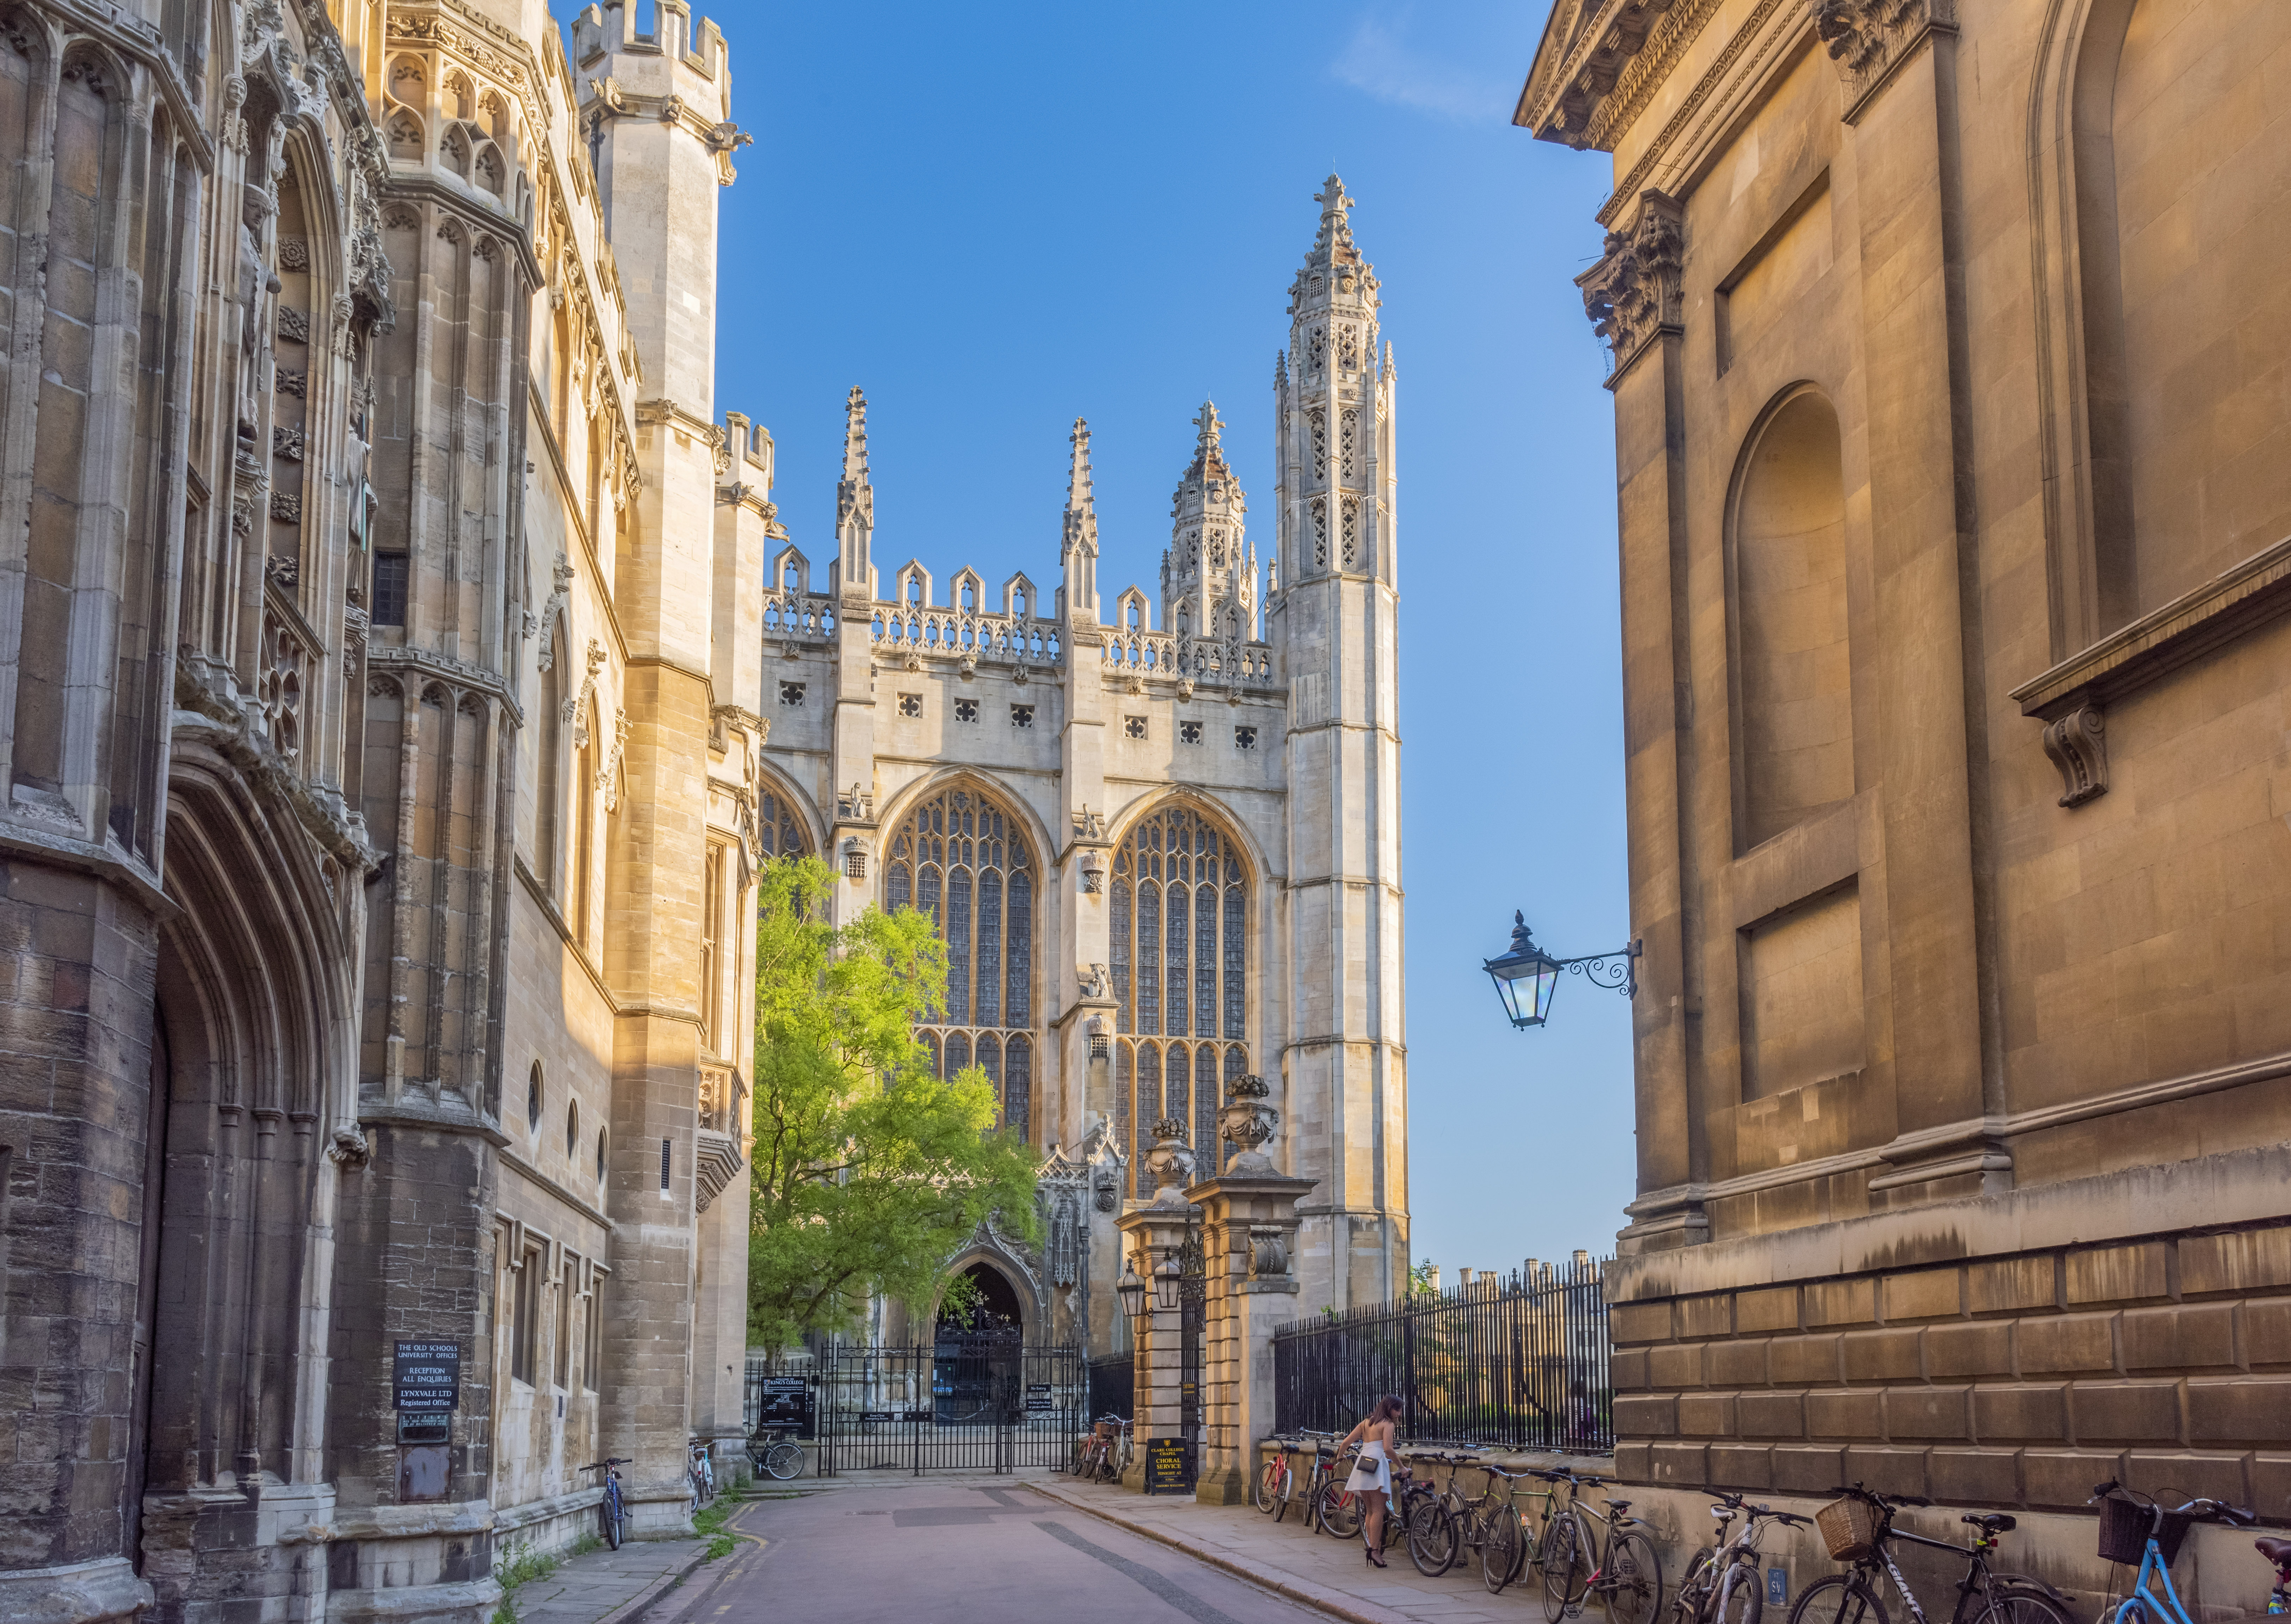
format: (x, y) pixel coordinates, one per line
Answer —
(1152, 1236)
(1249, 1235)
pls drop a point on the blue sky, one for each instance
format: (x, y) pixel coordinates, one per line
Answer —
(994, 219)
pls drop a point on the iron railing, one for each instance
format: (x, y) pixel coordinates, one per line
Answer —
(1520, 1361)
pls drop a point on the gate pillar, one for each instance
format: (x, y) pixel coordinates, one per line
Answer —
(1249, 1240)
(1152, 1237)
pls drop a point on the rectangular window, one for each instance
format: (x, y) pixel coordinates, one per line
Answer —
(664, 1170)
(564, 1322)
(595, 1361)
(712, 916)
(523, 1281)
(389, 578)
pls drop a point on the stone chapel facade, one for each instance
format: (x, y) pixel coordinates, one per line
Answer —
(378, 796)
(1954, 465)
(1163, 857)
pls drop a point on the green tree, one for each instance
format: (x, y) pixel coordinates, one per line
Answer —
(868, 1170)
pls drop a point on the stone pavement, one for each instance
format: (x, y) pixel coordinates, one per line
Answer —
(607, 1587)
(1323, 1573)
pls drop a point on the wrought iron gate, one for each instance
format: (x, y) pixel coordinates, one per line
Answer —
(976, 1402)
(1192, 1298)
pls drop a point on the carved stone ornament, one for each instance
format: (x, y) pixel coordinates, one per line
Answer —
(1170, 1162)
(1248, 1124)
(2077, 743)
(1105, 1184)
(1089, 824)
(1094, 982)
(855, 805)
(1268, 1254)
(1634, 292)
(1867, 37)
(347, 1147)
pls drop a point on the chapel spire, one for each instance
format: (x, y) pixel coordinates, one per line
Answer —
(1333, 412)
(854, 501)
(1204, 590)
(1078, 548)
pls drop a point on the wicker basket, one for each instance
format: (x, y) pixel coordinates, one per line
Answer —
(1105, 1429)
(1849, 1527)
(2124, 1526)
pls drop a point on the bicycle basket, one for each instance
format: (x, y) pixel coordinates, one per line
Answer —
(1849, 1527)
(2124, 1527)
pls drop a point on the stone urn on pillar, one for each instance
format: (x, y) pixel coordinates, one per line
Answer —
(1153, 1235)
(1249, 1242)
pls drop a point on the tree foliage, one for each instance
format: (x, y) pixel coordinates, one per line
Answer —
(869, 1171)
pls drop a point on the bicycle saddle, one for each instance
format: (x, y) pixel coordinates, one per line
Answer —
(1991, 1523)
(2276, 1551)
(1617, 1506)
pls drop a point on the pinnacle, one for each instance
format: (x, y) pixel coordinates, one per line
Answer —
(855, 435)
(1336, 222)
(1078, 476)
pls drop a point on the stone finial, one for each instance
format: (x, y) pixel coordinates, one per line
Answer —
(1081, 509)
(1248, 1124)
(1170, 1162)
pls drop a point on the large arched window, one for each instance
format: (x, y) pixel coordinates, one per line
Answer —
(964, 860)
(778, 827)
(1181, 945)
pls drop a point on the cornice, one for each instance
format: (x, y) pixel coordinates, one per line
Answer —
(1699, 104)
(389, 657)
(1594, 90)
(420, 186)
(608, 101)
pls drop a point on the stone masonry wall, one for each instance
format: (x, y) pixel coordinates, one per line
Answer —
(2015, 1381)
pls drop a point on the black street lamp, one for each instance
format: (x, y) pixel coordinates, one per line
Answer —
(1169, 1285)
(1526, 977)
(1130, 1289)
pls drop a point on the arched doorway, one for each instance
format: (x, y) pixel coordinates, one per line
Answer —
(988, 1303)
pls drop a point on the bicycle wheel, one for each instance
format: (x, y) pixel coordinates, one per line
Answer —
(1340, 1512)
(2020, 1604)
(1841, 1598)
(1431, 1537)
(1563, 1570)
(1284, 1492)
(1694, 1589)
(783, 1460)
(1500, 1553)
(1741, 1594)
(1633, 1580)
(609, 1513)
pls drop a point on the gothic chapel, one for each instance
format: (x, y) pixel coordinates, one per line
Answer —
(1162, 856)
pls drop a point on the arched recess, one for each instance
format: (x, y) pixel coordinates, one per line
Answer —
(2182, 229)
(256, 1023)
(1183, 940)
(549, 741)
(1786, 634)
(970, 858)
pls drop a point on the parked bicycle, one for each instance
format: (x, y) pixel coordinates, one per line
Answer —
(779, 1456)
(1515, 1541)
(1858, 1527)
(1104, 1455)
(611, 1511)
(1725, 1581)
(1277, 1481)
(2277, 1552)
(1442, 1527)
(1329, 1506)
(1606, 1554)
(2135, 1527)
(702, 1473)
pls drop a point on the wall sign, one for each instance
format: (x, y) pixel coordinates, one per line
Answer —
(1168, 1466)
(427, 1378)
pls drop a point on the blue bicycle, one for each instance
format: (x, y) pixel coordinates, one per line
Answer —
(2137, 1528)
(612, 1512)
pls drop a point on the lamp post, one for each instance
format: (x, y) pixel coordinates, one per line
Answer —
(1526, 977)
(1130, 1289)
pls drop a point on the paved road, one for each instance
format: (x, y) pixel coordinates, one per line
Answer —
(916, 1550)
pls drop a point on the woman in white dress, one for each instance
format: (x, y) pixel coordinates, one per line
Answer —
(1378, 1437)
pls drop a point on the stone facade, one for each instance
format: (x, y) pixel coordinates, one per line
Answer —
(380, 657)
(1954, 513)
(1163, 858)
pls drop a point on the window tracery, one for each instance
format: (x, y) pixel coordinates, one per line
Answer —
(1179, 918)
(965, 861)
